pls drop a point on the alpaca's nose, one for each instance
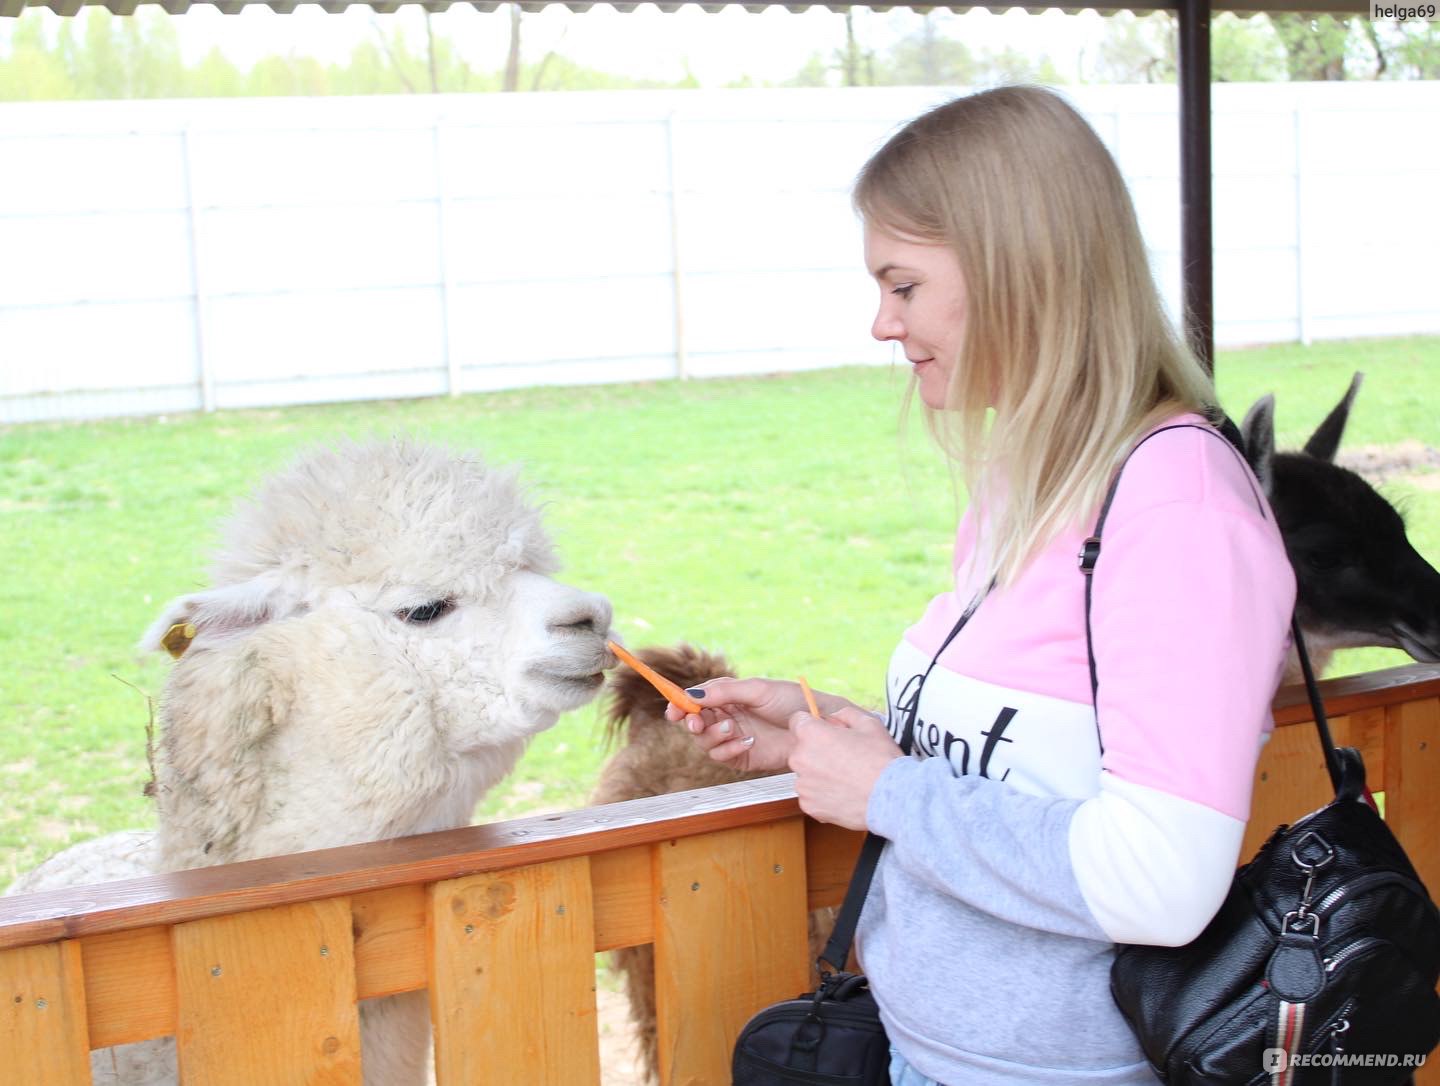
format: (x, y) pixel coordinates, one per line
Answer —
(585, 614)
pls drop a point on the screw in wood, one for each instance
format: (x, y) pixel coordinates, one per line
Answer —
(694, 886)
(40, 1004)
(214, 970)
(469, 929)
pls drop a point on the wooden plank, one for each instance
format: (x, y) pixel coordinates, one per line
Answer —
(130, 976)
(389, 927)
(1290, 781)
(129, 986)
(1367, 734)
(620, 885)
(1412, 785)
(183, 896)
(1368, 690)
(43, 1035)
(730, 938)
(268, 996)
(830, 855)
(512, 977)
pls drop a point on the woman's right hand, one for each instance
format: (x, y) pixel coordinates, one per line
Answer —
(745, 722)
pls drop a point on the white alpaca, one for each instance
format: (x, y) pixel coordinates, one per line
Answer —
(381, 639)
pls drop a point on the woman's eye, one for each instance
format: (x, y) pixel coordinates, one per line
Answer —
(426, 612)
(903, 290)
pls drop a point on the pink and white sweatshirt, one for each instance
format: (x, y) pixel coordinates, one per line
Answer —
(1019, 853)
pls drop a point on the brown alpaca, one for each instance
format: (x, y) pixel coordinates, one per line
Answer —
(658, 757)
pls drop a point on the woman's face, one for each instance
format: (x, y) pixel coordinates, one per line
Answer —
(922, 305)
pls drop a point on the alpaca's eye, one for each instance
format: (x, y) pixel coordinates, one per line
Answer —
(426, 612)
(1326, 560)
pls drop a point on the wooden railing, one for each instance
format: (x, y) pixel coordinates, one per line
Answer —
(256, 967)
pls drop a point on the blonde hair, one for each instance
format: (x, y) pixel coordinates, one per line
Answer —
(1065, 337)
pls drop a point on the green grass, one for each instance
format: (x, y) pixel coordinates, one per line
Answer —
(783, 520)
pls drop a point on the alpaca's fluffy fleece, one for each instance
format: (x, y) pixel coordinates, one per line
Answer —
(317, 707)
(658, 757)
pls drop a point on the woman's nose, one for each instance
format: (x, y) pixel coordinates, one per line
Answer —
(887, 326)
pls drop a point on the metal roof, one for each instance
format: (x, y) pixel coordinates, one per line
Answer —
(230, 7)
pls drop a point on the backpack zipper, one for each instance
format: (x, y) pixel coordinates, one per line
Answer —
(1350, 950)
(1365, 882)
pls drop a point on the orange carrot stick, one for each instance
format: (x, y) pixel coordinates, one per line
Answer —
(809, 697)
(673, 694)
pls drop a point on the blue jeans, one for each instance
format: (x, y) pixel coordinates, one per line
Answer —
(902, 1074)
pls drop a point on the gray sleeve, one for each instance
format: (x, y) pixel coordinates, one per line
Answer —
(999, 850)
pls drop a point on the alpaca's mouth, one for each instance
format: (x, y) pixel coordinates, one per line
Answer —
(1426, 651)
(588, 680)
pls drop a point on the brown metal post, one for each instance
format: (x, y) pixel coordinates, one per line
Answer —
(1196, 236)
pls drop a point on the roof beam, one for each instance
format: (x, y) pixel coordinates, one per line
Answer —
(1105, 7)
(1196, 249)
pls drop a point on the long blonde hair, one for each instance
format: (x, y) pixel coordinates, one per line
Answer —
(1065, 336)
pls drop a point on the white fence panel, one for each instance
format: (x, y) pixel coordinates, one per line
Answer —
(166, 256)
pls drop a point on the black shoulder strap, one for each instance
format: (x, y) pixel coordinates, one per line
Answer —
(1090, 554)
(837, 950)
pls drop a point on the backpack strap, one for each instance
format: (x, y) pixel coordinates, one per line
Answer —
(1090, 554)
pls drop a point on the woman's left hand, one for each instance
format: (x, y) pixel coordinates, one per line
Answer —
(837, 762)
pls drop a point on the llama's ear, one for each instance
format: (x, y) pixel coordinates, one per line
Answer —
(1259, 433)
(1325, 441)
(216, 614)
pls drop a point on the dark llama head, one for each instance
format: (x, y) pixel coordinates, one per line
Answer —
(1360, 582)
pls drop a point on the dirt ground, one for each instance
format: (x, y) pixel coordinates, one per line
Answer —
(1410, 462)
(619, 1065)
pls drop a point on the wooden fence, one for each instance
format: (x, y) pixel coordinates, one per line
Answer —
(256, 967)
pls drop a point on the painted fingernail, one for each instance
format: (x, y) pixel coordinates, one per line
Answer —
(724, 727)
(748, 741)
(696, 692)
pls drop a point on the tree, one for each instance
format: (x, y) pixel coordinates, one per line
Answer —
(512, 58)
(813, 73)
(929, 59)
(1315, 45)
(1415, 50)
(1245, 50)
(856, 64)
(33, 70)
(1138, 49)
(214, 77)
(288, 76)
(1012, 66)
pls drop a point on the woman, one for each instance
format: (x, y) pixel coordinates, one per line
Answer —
(1034, 828)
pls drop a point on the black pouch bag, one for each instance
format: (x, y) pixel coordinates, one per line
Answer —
(1327, 945)
(830, 1036)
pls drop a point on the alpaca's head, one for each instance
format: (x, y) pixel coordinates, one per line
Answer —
(381, 637)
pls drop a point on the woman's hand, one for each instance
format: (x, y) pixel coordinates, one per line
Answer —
(746, 722)
(837, 762)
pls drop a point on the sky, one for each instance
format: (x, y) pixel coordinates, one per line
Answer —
(645, 43)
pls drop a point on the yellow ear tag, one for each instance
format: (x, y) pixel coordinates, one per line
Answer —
(178, 637)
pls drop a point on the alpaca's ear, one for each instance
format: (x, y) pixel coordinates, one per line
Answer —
(1258, 430)
(1325, 440)
(217, 614)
